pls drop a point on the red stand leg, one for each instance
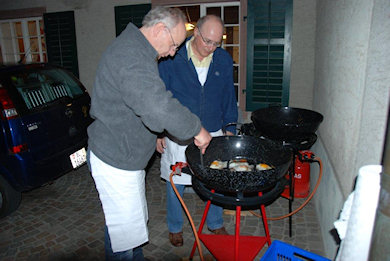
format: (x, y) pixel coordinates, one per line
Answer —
(233, 247)
(237, 233)
(262, 209)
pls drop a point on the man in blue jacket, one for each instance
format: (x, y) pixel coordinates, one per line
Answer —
(200, 76)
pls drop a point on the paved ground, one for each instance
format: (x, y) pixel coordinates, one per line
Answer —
(64, 221)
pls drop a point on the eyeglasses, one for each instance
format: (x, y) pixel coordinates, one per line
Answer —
(209, 42)
(175, 45)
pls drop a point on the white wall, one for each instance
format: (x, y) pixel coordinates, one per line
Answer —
(351, 90)
(302, 54)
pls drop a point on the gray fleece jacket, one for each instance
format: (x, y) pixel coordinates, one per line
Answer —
(130, 104)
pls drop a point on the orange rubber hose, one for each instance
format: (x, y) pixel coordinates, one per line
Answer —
(304, 203)
(188, 215)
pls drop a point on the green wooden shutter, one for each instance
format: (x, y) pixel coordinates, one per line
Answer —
(129, 13)
(60, 34)
(268, 53)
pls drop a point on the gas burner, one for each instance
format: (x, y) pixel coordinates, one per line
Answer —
(303, 142)
(232, 200)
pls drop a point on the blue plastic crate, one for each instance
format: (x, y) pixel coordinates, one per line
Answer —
(285, 252)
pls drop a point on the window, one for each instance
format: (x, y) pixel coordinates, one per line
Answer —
(22, 41)
(51, 38)
(268, 53)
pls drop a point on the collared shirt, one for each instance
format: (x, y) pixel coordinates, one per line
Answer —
(201, 67)
(191, 55)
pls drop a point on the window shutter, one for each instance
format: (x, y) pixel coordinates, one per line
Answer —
(61, 43)
(269, 55)
(130, 13)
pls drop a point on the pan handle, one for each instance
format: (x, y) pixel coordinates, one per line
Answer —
(201, 158)
(229, 124)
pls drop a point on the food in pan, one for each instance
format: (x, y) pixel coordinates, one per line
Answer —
(238, 165)
(217, 164)
(263, 166)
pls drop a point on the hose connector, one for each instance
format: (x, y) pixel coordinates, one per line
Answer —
(178, 167)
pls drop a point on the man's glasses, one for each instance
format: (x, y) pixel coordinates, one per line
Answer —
(176, 46)
(209, 42)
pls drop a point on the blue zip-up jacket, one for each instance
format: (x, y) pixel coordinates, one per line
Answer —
(214, 102)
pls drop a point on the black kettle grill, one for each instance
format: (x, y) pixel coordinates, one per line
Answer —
(252, 149)
(239, 187)
(286, 123)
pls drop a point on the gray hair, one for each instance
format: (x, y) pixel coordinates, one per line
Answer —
(205, 18)
(166, 15)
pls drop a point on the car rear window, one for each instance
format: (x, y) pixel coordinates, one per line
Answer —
(41, 87)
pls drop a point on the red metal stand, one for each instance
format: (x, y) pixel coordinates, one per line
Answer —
(233, 247)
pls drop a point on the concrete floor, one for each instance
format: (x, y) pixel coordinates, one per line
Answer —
(64, 221)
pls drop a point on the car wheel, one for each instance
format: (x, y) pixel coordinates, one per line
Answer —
(9, 198)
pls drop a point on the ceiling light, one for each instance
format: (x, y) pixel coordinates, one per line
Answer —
(189, 26)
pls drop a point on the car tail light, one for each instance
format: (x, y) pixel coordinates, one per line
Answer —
(9, 111)
(19, 148)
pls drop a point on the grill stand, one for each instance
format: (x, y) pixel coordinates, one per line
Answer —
(290, 195)
(303, 143)
(233, 247)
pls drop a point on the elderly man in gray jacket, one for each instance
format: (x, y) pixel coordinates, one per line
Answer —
(129, 105)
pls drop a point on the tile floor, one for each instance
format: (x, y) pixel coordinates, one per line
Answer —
(64, 221)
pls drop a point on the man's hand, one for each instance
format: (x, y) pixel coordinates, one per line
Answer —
(202, 140)
(160, 145)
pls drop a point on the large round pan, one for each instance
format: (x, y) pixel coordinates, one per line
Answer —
(286, 123)
(253, 149)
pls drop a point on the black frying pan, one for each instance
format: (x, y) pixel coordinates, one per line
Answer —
(255, 150)
(286, 123)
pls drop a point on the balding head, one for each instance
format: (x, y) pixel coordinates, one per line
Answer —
(210, 18)
(207, 35)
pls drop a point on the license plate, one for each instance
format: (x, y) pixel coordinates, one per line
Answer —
(78, 158)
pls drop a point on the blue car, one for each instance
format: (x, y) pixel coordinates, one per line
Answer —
(44, 119)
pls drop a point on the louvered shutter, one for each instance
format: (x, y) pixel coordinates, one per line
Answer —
(60, 34)
(268, 53)
(130, 13)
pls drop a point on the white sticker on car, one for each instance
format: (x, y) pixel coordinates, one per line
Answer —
(78, 158)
